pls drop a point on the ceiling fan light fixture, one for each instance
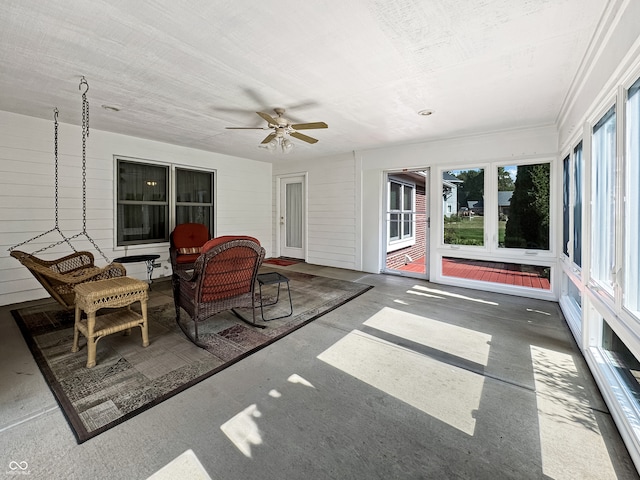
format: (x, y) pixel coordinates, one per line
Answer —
(287, 145)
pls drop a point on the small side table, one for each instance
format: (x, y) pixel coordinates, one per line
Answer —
(110, 293)
(149, 259)
(273, 278)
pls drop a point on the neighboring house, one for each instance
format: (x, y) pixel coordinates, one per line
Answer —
(504, 204)
(450, 194)
(476, 206)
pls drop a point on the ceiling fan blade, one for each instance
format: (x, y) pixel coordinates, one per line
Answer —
(268, 138)
(247, 128)
(309, 126)
(268, 118)
(303, 137)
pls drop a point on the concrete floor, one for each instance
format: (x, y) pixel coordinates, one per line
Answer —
(410, 380)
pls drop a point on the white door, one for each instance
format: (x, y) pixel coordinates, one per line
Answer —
(292, 217)
(407, 223)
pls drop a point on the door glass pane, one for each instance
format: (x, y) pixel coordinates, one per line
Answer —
(632, 212)
(406, 223)
(604, 172)
(463, 189)
(565, 205)
(294, 215)
(578, 168)
(526, 223)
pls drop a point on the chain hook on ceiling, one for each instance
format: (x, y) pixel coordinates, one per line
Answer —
(83, 81)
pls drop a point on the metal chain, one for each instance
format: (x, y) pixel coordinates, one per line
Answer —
(55, 150)
(85, 134)
(56, 227)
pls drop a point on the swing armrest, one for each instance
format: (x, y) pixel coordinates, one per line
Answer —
(59, 276)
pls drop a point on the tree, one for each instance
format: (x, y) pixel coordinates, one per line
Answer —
(528, 224)
(505, 182)
(472, 186)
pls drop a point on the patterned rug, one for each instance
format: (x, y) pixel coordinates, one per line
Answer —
(282, 261)
(129, 379)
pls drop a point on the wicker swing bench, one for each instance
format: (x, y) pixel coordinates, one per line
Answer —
(60, 276)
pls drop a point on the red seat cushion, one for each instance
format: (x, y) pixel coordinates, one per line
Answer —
(189, 258)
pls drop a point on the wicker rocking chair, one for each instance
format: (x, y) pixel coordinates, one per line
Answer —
(59, 276)
(223, 278)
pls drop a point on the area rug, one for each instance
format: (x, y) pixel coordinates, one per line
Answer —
(282, 261)
(129, 379)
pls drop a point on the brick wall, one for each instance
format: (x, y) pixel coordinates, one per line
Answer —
(397, 258)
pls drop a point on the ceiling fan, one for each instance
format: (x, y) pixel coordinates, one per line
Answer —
(281, 129)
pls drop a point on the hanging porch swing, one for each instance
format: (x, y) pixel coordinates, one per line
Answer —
(60, 276)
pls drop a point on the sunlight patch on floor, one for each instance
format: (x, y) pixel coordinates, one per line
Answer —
(469, 344)
(567, 424)
(295, 378)
(420, 294)
(447, 393)
(434, 291)
(242, 429)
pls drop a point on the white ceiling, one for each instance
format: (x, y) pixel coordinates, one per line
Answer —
(183, 70)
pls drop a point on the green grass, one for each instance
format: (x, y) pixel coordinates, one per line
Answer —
(468, 230)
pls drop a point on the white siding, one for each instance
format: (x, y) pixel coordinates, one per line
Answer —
(333, 221)
(243, 195)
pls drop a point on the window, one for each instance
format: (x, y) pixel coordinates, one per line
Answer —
(603, 187)
(565, 205)
(145, 210)
(632, 211)
(622, 360)
(400, 214)
(523, 206)
(578, 168)
(194, 197)
(143, 206)
(465, 189)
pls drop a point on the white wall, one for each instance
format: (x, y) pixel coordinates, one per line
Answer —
(333, 223)
(27, 195)
(346, 193)
(612, 56)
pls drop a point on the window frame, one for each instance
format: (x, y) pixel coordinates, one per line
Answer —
(123, 202)
(210, 205)
(171, 203)
(605, 285)
(631, 247)
(403, 240)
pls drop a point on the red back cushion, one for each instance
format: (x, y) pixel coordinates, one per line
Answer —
(230, 273)
(225, 238)
(188, 235)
